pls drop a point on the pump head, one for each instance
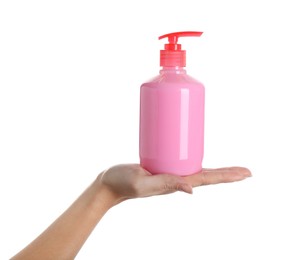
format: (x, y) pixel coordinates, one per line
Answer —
(173, 55)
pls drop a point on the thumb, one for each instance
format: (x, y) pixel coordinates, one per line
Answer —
(165, 184)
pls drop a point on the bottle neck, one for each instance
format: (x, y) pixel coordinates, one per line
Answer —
(174, 70)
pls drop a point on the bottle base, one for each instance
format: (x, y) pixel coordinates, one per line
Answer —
(181, 167)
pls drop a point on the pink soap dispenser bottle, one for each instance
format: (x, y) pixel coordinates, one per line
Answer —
(171, 136)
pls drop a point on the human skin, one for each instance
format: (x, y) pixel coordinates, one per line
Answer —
(64, 238)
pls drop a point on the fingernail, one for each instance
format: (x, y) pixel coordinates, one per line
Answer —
(247, 173)
(187, 188)
(240, 176)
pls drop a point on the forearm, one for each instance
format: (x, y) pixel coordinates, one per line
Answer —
(65, 237)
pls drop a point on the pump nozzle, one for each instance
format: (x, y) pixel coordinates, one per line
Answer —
(173, 55)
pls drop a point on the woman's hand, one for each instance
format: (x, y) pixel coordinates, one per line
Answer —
(127, 181)
(64, 237)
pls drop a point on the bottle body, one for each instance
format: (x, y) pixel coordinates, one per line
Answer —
(172, 123)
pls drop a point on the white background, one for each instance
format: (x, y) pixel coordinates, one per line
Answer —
(70, 73)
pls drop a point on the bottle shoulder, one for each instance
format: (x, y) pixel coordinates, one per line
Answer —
(172, 80)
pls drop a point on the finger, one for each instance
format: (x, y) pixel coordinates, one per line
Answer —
(164, 184)
(215, 176)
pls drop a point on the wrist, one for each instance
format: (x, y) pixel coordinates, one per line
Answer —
(104, 195)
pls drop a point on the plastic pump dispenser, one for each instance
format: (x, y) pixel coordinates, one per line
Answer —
(172, 55)
(172, 115)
